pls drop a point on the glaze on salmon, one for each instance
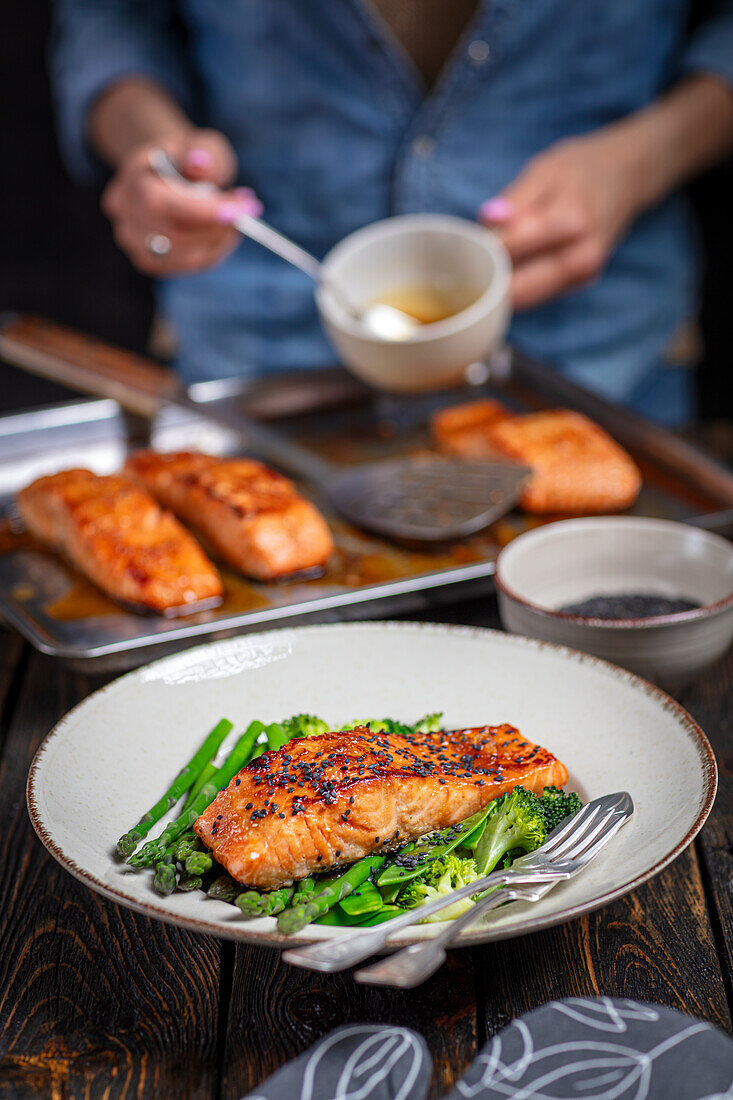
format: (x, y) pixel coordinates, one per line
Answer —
(320, 802)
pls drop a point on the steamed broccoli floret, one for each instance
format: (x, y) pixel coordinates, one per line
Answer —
(442, 877)
(304, 725)
(431, 723)
(381, 725)
(555, 805)
(515, 822)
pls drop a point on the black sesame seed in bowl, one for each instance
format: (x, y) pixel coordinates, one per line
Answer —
(629, 605)
(650, 595)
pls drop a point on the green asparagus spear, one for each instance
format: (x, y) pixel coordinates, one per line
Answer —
(151, 852)
(186, 778)
(276, 736)
(188, 843)
(198, 863)
(293, 919)
(204, 778)
(276, 900)
(187, 882)
(165, 878)
(304, 890)
(224, 888)
(253, 904)
(250, 904)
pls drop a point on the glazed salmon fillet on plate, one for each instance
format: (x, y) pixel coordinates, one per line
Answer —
(320, 802)
(249, 515)
(121, 539)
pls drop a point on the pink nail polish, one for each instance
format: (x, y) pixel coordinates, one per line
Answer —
(253, 207)
(228, 212)
(495, 210)
(198, 158)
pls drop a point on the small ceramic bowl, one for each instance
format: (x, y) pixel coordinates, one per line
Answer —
(569, 561)
(411, 251)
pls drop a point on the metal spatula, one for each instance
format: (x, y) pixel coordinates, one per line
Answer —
(421, 499)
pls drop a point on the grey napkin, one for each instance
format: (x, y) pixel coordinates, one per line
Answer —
(600, 1049)
(360, 1062)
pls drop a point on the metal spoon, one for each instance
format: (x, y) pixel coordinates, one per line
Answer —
(386, 322)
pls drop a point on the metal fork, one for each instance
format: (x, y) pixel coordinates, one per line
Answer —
(416, 963)
(550, 863)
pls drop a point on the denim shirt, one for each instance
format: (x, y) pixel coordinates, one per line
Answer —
(334, 129)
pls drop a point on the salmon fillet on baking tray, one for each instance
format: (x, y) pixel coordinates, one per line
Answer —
(120, 538)
(576, 466)
(247, 513)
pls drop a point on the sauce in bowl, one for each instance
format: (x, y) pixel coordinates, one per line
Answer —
(429, 302)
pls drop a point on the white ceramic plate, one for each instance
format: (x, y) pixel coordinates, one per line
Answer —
(110, 758)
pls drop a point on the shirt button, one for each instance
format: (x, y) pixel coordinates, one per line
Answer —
(423, 146)
(479, 51)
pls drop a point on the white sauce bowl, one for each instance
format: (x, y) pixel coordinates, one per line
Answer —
(417, 250)
(569, 561)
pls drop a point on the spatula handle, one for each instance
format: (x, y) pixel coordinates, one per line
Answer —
(87, 364)
(140, 386)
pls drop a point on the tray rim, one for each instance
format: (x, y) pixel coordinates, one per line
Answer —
(442, 578)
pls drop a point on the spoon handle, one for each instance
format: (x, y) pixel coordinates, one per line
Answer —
(248, 226)
(292, 253)
(288, 250)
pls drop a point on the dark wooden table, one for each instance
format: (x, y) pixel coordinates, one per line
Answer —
(96, 1001)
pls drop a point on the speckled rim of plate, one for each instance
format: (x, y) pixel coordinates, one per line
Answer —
(242, 933)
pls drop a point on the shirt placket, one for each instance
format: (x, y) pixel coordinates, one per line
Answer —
(418, 165)
(397, 80)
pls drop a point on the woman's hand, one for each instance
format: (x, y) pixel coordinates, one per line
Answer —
(563, 215)
(165, 231)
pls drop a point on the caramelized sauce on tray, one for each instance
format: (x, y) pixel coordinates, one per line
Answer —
(349, 567)
(82, 601)
(14, 537)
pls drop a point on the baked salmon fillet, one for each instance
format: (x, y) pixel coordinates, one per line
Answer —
(320, 802)
(577, 467)
(247, 513)
(461, 430)
(121, 539)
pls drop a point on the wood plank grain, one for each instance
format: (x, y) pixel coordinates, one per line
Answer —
(655, 944)
(288, 1009)
(94, 1000)
(12, 652)
(710, 701)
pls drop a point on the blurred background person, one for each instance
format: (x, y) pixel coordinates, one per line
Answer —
(568, 125)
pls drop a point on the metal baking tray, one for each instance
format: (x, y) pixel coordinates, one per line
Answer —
(62, 614)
